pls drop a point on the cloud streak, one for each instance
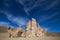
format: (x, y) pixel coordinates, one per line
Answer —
(45, 17)
(18, 20)
(4, 24)
(51, 5)
(28, 5)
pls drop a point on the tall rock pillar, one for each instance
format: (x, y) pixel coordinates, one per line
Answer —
(34, 27)
(28, 28)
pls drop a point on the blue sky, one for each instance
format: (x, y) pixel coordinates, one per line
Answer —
(17, 12)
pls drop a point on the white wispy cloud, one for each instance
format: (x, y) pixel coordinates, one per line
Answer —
(45, 17)
(4, 24)
(37, 3)
(18, 20)
(21, 1)
(31, 3)
(27, 10)
(51, 5)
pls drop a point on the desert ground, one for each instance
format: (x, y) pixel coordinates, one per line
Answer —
(50, 36)
(4, 36)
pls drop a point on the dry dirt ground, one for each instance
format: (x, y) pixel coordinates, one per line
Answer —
(4, 36)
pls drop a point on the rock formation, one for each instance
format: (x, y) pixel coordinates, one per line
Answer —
(28, 28)
(16, 33)
(33, 29)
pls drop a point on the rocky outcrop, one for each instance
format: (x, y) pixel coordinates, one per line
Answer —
(33, 29)
(28, 28)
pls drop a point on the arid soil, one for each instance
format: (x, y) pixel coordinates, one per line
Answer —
(4, 36)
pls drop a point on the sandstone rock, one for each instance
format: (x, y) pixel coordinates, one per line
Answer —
(34, 29)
